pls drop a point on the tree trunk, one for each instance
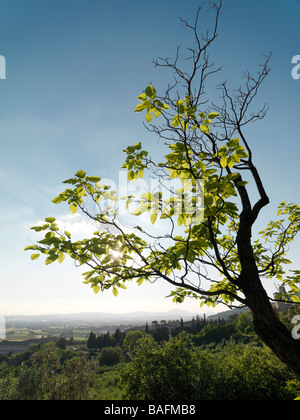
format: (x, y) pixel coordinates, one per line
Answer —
(266, 323)
(268, 327)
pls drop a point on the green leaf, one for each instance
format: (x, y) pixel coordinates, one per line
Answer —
(50, 219)
(80, 174)
(173, 174)
(58, 199)
(236, 158)
(223, 162)
(230, 162)
(176, 120)
(142, 97)
(242, 183)
(138, 211)
(80, 191)
(153, 218)
(150, 91)
(96, 289)
(147, 196)
(295, 298)
(115, 291)
(213, 115)
(51, 259)
(93, 178)
(73, 208)
(140, 107)
(61, 258)
(149, 117)
(131, 176)
(205, 128)
(157, 113)
(34, 256)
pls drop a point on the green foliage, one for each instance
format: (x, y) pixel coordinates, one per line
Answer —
(231, 154)
(210, 360)
(107, 384)
(45, 377)
(8, 385)
(105, 340)
(181, 163)
(252, 373)
(214, 333)
(205, 248)
(177, 371)
(150, 103)
(131, 340)
(161, 334)
(111, 356)
(135, 162)
(161, 373)
(203, 232)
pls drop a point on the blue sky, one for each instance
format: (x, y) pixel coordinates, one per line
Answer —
(74, 69)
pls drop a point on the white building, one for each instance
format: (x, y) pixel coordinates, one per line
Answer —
(7, 347)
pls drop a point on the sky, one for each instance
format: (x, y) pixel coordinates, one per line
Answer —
(74, 69)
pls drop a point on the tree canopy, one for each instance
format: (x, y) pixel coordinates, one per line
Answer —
(207, 250)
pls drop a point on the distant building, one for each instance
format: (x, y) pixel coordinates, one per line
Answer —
(7, 347)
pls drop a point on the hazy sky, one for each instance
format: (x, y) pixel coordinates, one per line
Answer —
(73, 71)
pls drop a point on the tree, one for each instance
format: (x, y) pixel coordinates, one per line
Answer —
(178, 370)
(163, 372)
(119, 337)
(62, 343)
(161, 334)
(91, 343)
(209, 218)
(46, 378)
(110, 356)
(131, 340)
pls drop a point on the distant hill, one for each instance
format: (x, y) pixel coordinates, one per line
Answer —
(132, 317)
(226, 314)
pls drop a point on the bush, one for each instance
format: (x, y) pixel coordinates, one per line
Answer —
(131, 340)
(111, 356)
(46, 377)
(107, 385)
(251, 373)
(167, 372)
(179, 371)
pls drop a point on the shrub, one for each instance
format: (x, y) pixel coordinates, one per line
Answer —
(177, 370)
(110, 356)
